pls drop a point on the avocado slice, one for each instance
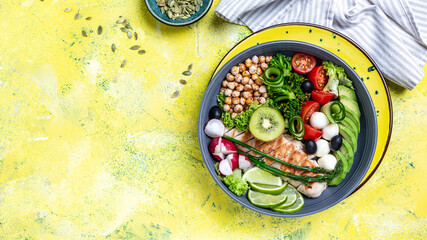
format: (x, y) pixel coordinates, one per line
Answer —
(346, 149)
(345, 168)
(347, 122)
(350, 114)
(347, 134)
(345, 91)
(350, 104)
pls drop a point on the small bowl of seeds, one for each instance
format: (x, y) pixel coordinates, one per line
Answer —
(178, 12)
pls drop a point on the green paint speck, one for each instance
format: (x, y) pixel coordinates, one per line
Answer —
(339, 50)
(310, 31)
(367, 78)
(371, 68)
(376, 92)
(321, 39)
(287, 32)
(354, 68)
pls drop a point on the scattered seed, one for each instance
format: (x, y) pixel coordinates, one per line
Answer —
(175, 94)
(123, 64)
(89, 18)
(186, 73)
(182, 81)
(77, 16)
(136, 47)
(129, 34)
(84, 33)
(120, 20)
(128, 26)
(67, 10)
(123, 29)
(190, 67)
(140, 52)
(113, 47)
(115, 79)
(99, 30)
(135, 35)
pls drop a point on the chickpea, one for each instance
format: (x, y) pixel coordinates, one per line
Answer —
(226, 107)
(262, 89)
(228, 92)
(233, 115)
(249, 101)
(239, 87)
(242, 67)
(236, 100)
(246, 74)
(245, 80)
(264, 95)
(231, 85)
(264, 66)
(227, 100)
(262, 59)
(230, 77)
(259, 81)
(256, 101)
(242, 101)
(247, 87)
(253, 69)
(235, 93)
(246, 95)
(257, 94)
(248, 62)
(251, 82)
(255, 59)
(222, 90)
(254, 77)
(235, 70)
(259, 71)
(224, 83)
(238, 108)
(255, 87)
(261, 101)
(268, 58)
(238, 78)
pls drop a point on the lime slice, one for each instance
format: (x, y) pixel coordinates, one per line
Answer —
(270, 189)
(257, 175)
(292, 194)
(294, 207)
(266, 200)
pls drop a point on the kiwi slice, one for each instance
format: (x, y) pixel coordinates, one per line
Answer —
(266, 124)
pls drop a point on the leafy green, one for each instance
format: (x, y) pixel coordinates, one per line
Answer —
(234, 181)
(337, 76)
(221, 99)
(282, 62)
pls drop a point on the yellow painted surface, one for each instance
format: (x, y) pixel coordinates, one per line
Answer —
(89, 150)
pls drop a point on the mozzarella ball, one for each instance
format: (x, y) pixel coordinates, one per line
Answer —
(319, 120)
(327, 162)
(322, 147)
(330, 131)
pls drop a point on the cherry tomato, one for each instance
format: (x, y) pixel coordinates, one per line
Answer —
(308, 108)
(311, 133)
(303, 63)
(318, 77)
(322, 97)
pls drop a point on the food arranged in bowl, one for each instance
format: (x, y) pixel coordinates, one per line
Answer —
(284, 126)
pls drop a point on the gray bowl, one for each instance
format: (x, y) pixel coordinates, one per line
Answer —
(366, 141)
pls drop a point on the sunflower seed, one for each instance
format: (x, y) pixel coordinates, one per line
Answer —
(135, 35)
(99, 30)
(77, 16)
(88, 18)
(182, 81)
(84, 33)
(140, 52)
(175, 94)
(67, 10)
(120, 20)
(136, 47)
(123, 64)
(129, 34)
(113, 47)
(190, 67)
(123, 29)
(186, 73)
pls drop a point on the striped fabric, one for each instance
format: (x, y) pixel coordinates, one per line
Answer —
(393, 32)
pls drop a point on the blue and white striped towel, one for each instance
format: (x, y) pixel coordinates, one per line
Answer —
(393, 32)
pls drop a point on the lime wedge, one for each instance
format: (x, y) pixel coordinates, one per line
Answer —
(266, 200)
(270, 189)
(292, 194)
(257, 175)
(294, 207)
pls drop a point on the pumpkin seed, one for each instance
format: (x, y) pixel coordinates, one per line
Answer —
(140, 52)
(135, 35)
(99, 30)
(67, 10)
(123, 64)
(120, 20)
(179, 9)
(77, 16)
(190, 67)
(123, 29)
(175, 94)
(128, 26)
(113, 47)
(130, 34)
(84, 33)
(186, 73)
(136, 47)
(182, 81)
(162, 9)
(88, 18)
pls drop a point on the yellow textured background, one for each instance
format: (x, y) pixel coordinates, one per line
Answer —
(89, 150)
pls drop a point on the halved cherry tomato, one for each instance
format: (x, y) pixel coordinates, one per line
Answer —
(303, 63)
(322, 97)
(308, 108)
(311, 133)
(318, 77)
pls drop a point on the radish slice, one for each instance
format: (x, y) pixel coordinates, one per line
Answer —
(225, 168)
(228, 147)
(244, 162)
(215, 148)
(215, 128)
(233, 159)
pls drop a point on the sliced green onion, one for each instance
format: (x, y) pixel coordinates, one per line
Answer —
(338, 114)
(273, 76)
(296, 127)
